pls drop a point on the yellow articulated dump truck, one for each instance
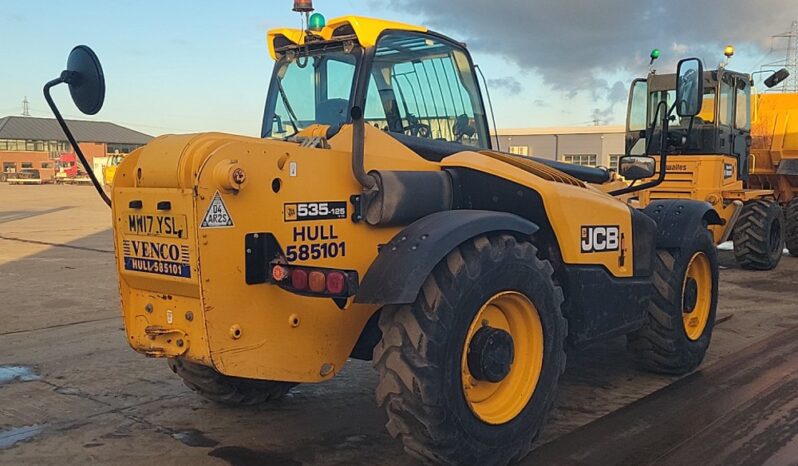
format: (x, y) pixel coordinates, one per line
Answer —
(739, 154)
(774, 153)
(373, 219)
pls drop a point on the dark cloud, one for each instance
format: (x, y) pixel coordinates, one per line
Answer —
(508, 85)
(575, 44)
(571, 42)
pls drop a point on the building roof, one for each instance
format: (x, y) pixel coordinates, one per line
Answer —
(561, 130)
(47, 129)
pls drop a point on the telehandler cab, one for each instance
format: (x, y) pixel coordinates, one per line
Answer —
(373, 220)
(712, 160)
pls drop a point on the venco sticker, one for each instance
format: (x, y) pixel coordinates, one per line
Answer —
(156, 257)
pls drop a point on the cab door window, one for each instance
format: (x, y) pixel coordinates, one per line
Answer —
(743, 109)
(726, 104)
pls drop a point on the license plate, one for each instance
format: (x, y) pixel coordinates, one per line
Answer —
(165, 226)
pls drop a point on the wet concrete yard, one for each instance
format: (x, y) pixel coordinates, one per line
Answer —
(72, 391)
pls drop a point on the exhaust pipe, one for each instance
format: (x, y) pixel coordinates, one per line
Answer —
(369, 182)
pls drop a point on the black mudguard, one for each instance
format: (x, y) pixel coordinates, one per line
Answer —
(680, 218)
(396, 275)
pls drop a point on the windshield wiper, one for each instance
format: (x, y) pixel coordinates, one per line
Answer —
(291, 115)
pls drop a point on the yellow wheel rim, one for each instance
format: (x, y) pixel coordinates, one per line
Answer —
(696, 296)
(501, 402)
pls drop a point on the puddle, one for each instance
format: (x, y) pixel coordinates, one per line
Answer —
(240, 456)
(14, 435)
(194, 438)
(10, 374)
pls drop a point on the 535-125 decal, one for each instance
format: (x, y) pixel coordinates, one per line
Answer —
(303, 211)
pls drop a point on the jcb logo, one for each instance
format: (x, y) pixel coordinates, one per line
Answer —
(600, 238)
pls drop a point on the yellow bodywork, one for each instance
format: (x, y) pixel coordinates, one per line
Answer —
(710, 178)
(262, 331)
(367, 30)
(774, 131)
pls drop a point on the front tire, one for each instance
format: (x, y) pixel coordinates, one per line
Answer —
(681, 314)
(454, 389)
(759, 235)
(227, 390)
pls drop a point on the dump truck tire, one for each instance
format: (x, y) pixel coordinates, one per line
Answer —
(791, 227)
(759, 235)
(681, 313)
(227, 390)
(444, 398)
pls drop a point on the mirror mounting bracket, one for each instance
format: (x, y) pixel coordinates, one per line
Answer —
(83, 69)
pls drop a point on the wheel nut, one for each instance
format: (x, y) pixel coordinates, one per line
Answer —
(189, 316)
(148, 308)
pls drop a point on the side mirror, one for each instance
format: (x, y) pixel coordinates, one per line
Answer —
(689, 87)
(637, 167)
(777, 78)
(86, 80)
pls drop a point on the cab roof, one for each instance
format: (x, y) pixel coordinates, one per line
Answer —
(366, 30)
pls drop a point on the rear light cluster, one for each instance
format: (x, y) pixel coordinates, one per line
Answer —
(314, 281)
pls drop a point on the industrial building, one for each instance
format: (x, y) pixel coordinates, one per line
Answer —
(581, 145)
(29, 142)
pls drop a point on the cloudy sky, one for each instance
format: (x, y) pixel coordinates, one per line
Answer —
(199, 65)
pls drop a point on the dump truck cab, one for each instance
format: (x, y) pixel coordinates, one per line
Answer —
(710, 159)
(723, 128)
(373, 219)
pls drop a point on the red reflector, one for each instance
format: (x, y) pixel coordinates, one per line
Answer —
(336, 282)
(317, 281)
(299, 279)
(279, 273)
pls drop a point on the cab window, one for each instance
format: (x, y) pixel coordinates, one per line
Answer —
(424, 87)
(707, 114)
(726, 104)
(638, 119)
(743, 111)
(309, 90)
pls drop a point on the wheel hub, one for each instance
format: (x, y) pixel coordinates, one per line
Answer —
(490, 354)
(690, 295)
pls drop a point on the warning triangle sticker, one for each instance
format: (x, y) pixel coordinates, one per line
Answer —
(217, 216)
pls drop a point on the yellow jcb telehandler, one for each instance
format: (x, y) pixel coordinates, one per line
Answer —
(712, 159)
(374, 220)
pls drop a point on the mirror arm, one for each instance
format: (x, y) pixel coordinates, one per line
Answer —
(663, 159)
(65, 76)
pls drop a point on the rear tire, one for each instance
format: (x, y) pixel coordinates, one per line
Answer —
(227, 390)
(670, 342)
(424, 387)
(791, 227)
(759, 235)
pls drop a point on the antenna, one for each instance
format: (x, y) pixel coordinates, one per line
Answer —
(25, 107)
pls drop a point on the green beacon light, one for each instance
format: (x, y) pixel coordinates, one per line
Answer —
(654, 55)
(316, 22)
